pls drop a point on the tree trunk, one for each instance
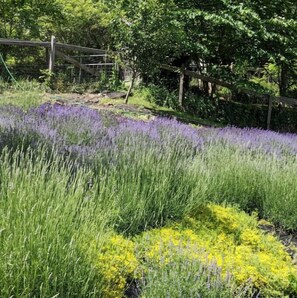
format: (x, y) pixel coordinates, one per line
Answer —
(181, 94)
(131, 87)
(284, 79)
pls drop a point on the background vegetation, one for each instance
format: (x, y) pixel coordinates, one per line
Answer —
(251, 44)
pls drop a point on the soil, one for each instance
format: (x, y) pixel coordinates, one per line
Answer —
(95, 101)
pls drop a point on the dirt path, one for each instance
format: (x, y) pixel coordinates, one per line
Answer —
(102, 101)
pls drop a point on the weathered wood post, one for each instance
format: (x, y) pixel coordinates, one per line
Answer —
(52, 54)
(181, 94)
(79, 73)
(269, 100)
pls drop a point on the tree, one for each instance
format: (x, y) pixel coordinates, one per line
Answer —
(215, 34)
(144, 34)
(84, 22)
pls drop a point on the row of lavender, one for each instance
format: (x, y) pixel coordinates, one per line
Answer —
(87, 131)
(253, 168)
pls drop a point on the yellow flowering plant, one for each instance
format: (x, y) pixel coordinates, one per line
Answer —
(232, 240)
(116, 263)
(214, 236)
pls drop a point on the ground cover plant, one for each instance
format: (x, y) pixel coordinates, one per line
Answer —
(78, 186)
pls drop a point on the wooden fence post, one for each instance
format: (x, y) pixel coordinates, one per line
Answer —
(269, 99)
(52, 54)
(181, 94)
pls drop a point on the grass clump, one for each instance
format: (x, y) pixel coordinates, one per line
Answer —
(254, 181)
(41, 206)
(24, 94)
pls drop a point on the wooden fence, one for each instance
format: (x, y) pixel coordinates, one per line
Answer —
(57, 49)
(269, 99)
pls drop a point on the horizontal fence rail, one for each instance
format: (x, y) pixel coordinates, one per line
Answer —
(281, 99)
(45, 44)
(212, 80)
(270, 99)
(56, 49)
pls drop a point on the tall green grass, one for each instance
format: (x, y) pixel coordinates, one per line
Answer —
(147, 191)
(255, 182)
(43, 213)
(24, 93)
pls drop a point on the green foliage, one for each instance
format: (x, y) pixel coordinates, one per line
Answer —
(84, 22)
(160, 96)
(219, 36)
(255, 115)
(40, 211)
(25, 94)
(23, 19)
(268, 78)
(135, 28)
(148, 199)
(236, 178)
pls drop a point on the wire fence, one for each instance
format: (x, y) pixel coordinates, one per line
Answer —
(67, 71)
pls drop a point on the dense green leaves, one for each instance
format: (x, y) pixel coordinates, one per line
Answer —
(27, 19)
(216, 35)
(219, 36)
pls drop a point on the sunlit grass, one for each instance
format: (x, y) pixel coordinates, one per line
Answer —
(24, 94)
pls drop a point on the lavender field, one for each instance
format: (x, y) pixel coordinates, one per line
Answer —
(70, 173)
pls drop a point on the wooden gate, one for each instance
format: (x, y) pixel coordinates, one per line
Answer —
(90, 61)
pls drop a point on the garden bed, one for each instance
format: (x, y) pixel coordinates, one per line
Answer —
(78, 185)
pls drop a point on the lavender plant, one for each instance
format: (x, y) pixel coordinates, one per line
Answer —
(191, 279)
(40, 212)
(155, 171)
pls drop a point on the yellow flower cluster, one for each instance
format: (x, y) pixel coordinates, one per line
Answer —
(117, 263)
(231, 240)
(213, 234)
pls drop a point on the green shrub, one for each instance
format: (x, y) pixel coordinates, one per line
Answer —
(159, 95)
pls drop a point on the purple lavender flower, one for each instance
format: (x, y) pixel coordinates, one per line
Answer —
(89, 132)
